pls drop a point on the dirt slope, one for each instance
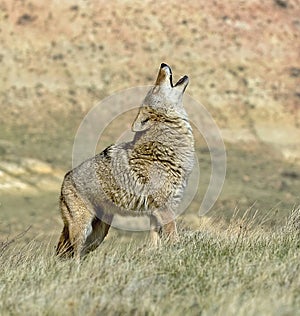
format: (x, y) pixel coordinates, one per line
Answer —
(59, 58)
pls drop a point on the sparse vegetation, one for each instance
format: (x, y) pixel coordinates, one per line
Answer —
(235, 269)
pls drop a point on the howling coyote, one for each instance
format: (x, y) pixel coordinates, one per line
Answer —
(144, 176)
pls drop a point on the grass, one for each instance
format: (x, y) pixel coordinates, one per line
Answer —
(240, 268)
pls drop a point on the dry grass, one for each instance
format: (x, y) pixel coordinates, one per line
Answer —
(241, 269)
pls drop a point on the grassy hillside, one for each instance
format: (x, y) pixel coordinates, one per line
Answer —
(235, 269)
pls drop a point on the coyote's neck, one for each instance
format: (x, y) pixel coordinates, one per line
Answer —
(171, 128)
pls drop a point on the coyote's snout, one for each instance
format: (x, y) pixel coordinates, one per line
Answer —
(144, 176)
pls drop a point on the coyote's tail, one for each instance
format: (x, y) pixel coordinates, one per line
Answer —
(64, 247)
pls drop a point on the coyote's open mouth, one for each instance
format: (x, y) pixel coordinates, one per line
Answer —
(179, 82)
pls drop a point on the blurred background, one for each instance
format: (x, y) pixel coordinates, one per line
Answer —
(60, 58)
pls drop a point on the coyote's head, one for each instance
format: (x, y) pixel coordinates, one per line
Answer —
(164, 97)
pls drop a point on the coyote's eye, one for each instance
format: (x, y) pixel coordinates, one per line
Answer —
(145, 120)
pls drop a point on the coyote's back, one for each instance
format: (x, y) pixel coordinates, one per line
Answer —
(144, 176)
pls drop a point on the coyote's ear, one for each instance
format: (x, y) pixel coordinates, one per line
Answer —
(141, 122)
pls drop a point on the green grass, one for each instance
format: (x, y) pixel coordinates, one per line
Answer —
(239, 268)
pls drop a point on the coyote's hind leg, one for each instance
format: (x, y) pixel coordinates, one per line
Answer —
(100, 228)
(64, 248)
(77, 225)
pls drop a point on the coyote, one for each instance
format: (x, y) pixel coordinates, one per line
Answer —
(144, 176)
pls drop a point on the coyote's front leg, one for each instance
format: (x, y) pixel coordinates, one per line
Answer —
(162, 222)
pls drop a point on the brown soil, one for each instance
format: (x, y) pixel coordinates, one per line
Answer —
(60, 58)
